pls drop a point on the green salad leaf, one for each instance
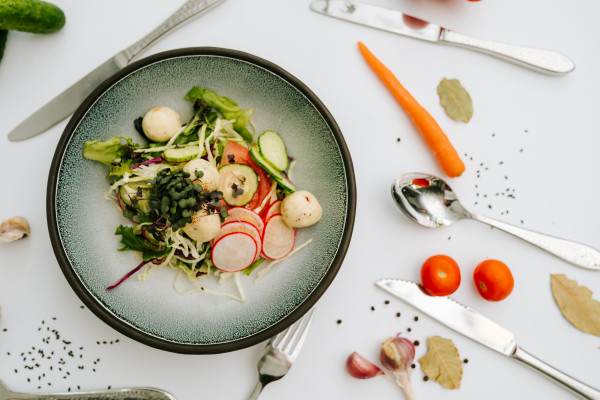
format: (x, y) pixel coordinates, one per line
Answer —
(229, 108)
(113, 151)
(131, 241)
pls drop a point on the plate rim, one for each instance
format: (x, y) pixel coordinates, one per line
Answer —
(122, 326)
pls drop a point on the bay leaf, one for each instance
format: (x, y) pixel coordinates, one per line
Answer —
(442, 362)
(455, 99)
(576, 304)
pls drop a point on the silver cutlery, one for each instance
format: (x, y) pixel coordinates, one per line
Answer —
(397, 22)
(67, 102)
(475, 326)
(430, 202)
(113, 394)
(280, 353)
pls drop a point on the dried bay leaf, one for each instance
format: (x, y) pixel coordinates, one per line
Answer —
(455, 99)
(576, 304)
(442, 362)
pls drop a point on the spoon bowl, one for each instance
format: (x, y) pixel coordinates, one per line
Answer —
(428, 200)
(431, 202)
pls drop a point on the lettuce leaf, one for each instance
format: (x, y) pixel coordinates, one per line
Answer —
(113, 151)
(229, 108)
(131, 241)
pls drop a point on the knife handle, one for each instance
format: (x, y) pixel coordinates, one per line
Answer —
(189, 9)
(576, 253)
(545, 60)
(580, 389)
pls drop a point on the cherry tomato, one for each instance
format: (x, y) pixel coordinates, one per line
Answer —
(440, 275)
(493, 280)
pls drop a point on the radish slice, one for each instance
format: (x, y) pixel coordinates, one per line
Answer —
(278, 238)
(274, 208)
(244, 214)
(241, 226)
(234, 252)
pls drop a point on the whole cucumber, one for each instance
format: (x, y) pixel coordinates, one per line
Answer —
(33, 16)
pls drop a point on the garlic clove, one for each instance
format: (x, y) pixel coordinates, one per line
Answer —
(361, 368)
(397, 355)
(13, 229)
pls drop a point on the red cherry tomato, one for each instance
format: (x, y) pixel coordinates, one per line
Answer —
(493, 280)
(440, 275)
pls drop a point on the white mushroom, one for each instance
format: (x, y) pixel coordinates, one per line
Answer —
(161, 123)
(203, 227)
(210, 174)
(301, 209)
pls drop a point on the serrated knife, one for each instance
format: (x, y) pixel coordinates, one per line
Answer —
(67, 102)
(475, 326)
(397, 22)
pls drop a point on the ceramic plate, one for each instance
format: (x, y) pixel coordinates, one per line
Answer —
(82, 223)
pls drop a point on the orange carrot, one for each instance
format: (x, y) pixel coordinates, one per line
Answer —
(432, 133)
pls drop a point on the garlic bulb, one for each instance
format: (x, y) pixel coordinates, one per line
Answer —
(397, 355)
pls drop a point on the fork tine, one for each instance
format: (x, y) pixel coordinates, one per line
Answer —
(300, 332)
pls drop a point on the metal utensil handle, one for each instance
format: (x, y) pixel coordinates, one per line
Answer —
(189, 9)
(573, 252)
(546, 60)
(117, 394)
(581, 389)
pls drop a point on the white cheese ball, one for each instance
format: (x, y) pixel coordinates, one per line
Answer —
(301, 209)
(161, 123)
(210, 179)
(203, 227)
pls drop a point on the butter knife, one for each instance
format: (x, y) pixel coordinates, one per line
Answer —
(403, 24)
(67, 102)
(110, 394)
(475, 326)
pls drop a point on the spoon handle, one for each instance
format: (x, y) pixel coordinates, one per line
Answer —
(573, 252)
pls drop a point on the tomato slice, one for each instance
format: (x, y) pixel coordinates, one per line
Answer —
(236, 153)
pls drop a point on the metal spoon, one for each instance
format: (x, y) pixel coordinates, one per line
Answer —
(114, 394)
(429, 201)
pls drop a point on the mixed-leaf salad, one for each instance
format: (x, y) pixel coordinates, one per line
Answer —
(204, 198)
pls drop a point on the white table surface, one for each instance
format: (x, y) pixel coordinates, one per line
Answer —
(536, 135)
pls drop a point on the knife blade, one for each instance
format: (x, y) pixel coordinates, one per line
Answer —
(67, 102)
(403, 24)
(475, 326)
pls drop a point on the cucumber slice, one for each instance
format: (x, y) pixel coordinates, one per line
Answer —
(130, 195)
(272, 149)
(277, 175)
(181, 154)
(238, 183)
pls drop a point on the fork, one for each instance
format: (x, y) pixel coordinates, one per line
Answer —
(280, 352)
